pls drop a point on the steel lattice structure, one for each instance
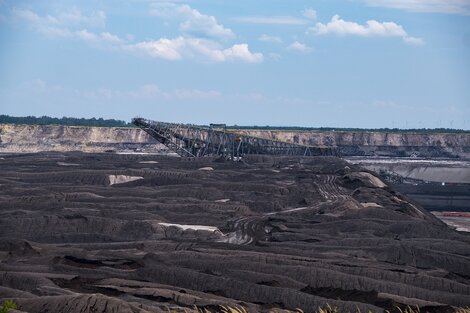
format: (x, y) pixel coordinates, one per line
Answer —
(197, 141)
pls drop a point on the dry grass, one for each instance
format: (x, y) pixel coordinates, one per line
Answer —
(235, 309)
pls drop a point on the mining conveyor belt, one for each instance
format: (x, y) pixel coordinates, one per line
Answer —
(189, 140)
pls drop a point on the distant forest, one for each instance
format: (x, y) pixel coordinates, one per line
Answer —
(352, 130)
(100, 122)
(69, 121)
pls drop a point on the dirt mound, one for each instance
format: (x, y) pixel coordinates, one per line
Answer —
(265, 233)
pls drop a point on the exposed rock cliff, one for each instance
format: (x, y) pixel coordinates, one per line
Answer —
(34, 138)
(378, 143)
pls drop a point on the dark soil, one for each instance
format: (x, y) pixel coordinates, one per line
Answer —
(284, 233)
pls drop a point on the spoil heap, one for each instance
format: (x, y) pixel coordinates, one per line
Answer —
(135, 233)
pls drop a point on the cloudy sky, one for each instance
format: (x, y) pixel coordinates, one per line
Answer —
(339, 63)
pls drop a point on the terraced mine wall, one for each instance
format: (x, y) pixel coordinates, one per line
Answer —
(36, 138)
(441, 145)
(33, 138)
(437, 185)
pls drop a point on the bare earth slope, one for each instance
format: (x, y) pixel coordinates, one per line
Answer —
(133, 233)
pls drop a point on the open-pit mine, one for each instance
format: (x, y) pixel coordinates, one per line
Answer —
(130, 227)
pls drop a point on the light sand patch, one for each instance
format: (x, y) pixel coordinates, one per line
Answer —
(67, 164)
(418, 211)
(222, 200)
(288, 211)
(375, 181)
(206, 169)
(191, 227)
(84, 194)
(371, 204)
(121, 179)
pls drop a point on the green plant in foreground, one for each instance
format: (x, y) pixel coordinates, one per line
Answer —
(7, 305)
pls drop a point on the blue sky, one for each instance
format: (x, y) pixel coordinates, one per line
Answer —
(349, 63)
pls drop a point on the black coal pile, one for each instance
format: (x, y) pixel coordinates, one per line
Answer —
(140, 233)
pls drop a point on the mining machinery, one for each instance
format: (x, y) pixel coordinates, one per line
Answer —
(188, 140)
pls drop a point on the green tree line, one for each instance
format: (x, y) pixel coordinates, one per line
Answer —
(100, 122)
(352, 130)
(69, 121)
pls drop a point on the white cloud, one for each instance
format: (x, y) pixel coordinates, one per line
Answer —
(143, 92)
(28, 16)
(310, 14)
(169, 49)
(414, 41)
(372, 28)
(242, 52)
(75, 17)
(112, 39)
(60, 25)
(164, 9)
(435, 6)
(195, 94)
(339, 26)
(55, 32)
(193, 21)
(299, 47)
(268, 38)
(275, 20)
(152, 92)
(87, 36)
(46, 25)
(104, 38)
(182, 47)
